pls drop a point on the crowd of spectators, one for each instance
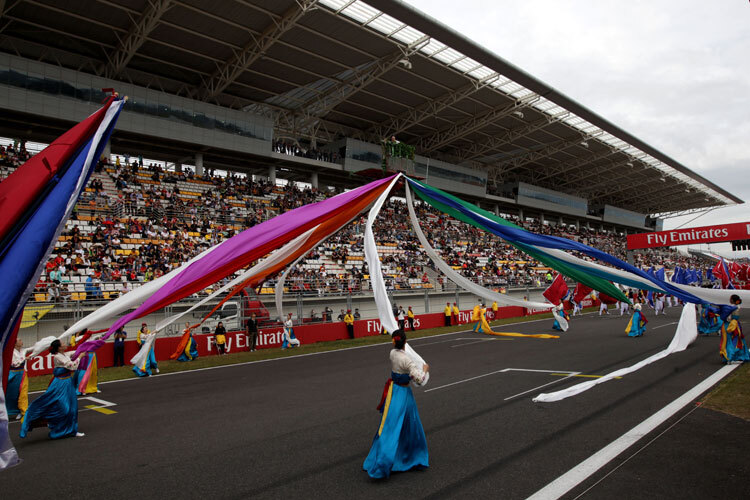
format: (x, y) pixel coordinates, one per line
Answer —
(293, 149)
(135, 223)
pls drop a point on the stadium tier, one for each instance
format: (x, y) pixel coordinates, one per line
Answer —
(135, 224)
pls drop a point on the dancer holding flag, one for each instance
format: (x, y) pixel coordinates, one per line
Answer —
(57, 408)
(400, 443)
(556, 293)
(146, 361)
(17, 392)
(38, 198)
(187, 349)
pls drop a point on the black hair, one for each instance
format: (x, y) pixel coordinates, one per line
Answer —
(735, 299)
(399, 337)
(54, 347)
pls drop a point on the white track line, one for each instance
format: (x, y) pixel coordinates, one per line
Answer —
(572, 374)
(299, 355)
(588, 467)
(467, 380)
(662, 326)
(505, 370)
(475, 342)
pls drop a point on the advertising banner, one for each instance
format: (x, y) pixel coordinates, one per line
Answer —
(690, 236)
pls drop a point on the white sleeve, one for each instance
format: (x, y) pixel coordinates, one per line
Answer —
(17, 358)
(62, 360)
(415, 371)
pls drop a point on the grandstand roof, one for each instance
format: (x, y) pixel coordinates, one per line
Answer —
(333, 68)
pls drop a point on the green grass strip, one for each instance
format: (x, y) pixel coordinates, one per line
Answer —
(732, 395)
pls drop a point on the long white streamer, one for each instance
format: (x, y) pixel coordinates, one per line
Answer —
(383, 305)
(457, 278)
(385, 313)
(279, 290)
(686, 333)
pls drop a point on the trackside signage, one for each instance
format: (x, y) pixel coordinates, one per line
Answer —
(270, 338)
(690, 236)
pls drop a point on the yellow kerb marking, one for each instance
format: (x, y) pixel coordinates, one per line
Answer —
(100, 409)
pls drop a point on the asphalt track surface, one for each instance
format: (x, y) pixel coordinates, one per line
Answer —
(301, 427)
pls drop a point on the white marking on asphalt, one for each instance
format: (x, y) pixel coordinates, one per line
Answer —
(588, 467)
(662, 326)
(476, 342)
(467, 380)
(100, 403)
(572, 374)
(444, 341)
(504, 370)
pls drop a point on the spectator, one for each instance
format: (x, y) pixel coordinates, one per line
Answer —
(252, 332)
(220, 338)
(119, 346)
(349, 321)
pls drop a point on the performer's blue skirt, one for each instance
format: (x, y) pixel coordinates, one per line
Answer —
(400, 443)
(15, 377)
(709, 326)
(556, 326)
(57, 408)
(150, 363)
(192, 349)
(636, 329)
(734, 345)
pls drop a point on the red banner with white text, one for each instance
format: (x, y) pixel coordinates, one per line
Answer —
(270, 338)
(690, 236)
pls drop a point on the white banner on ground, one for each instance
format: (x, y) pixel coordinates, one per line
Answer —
(687, 332)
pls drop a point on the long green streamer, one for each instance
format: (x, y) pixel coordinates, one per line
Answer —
(564, 268)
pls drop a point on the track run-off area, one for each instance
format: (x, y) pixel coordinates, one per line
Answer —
(301, 426)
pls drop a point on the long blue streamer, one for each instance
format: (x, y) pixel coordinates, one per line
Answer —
(521, 236)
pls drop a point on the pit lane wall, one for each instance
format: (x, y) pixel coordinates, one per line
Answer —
(270, 338)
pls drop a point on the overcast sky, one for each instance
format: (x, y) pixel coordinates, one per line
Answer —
(674, 73)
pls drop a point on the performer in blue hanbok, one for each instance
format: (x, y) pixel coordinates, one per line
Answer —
(400, 443)
(17, 392)
(637, 324)
(288, 340)
(732, 346)
(149, 362)
(710, 322)
(57, 408)
(561, 318)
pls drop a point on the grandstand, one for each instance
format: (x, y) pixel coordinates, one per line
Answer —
(248, 109)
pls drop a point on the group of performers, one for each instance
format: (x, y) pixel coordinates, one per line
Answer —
(399, 443)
